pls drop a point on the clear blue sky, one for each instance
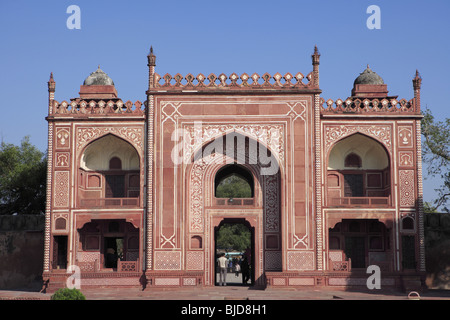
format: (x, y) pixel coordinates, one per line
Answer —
(199, 36)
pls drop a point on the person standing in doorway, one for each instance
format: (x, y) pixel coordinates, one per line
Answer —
(222, 261)
(245, 267)
(237, 268)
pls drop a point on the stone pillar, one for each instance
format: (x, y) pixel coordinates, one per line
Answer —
(51, 97)
(318, 183)
(149, 168)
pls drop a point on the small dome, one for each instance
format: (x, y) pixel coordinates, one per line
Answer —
(368, 77)
(98, 78)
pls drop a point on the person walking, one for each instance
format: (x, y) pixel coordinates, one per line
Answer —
(222, 261)
(237, 268)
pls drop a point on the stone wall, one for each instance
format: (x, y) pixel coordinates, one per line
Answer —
(21, 251)
(437, 244)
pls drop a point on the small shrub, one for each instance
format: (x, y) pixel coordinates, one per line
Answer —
(68, 294)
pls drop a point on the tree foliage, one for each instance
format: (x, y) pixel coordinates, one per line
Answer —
(234, 186)
(235, 237)
(436, 155)
(68, 294)
(22, 178)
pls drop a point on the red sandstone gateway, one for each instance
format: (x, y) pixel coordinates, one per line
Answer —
(335, 185)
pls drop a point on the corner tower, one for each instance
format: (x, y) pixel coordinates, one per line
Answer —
(373, 181)
(95, 199)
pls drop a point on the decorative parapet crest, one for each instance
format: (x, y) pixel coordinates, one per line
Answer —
(233, 81)
(101, 107)
(358, 106)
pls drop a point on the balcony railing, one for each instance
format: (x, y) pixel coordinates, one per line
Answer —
(339, 261)
(234, 201)
(122, 266)
(341, 266)
(360, 202)
(128, 266)
(109, 202)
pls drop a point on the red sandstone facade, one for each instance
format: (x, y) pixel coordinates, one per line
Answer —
(337, 184)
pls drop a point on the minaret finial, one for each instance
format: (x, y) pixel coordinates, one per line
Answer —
(51, 88)
(51, 81)
(316, 55)
(417, 82)
(151, 57)
(315, 62)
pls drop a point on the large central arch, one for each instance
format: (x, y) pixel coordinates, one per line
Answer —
(204, 213)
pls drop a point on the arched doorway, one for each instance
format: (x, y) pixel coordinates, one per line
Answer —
(236, 239)
(362, 242)
(213, 163)
(105, 244)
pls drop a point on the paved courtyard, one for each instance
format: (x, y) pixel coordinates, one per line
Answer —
(227, 302)
(233, 300)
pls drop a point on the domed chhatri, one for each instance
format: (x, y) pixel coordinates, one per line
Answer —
(98, 78)
(369, 85)
(98, 86)
(368, 77)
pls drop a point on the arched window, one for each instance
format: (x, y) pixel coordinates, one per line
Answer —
(234, 181)
(408, 223)
(115, 163)
(196, 242)
(353, 161)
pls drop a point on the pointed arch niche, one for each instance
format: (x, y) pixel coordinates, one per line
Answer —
(358, 173)
(109, 173)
